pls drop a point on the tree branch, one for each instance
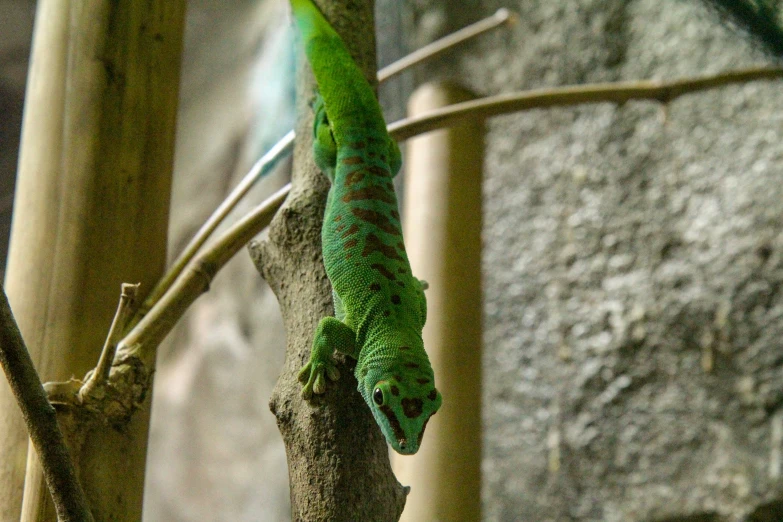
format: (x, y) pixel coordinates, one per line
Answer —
(41, 420)
(502, 17)
(100, 375)
(337, 457)
(619, 92)
(143, 339)
(264, 165)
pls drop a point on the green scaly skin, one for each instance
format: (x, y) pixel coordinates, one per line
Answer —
(380, 307)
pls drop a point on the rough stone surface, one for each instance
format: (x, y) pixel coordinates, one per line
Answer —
(632, 270)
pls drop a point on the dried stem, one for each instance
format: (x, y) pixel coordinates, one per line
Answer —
(619, 92)
(267, 162)
(100, 375)
(144, 338)
(500, 18)
(41, 420)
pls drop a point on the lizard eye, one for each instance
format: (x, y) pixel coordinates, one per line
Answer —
(377, 396)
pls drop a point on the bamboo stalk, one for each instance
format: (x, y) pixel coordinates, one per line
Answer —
(91, 212)
(49, 52)
(442, 221)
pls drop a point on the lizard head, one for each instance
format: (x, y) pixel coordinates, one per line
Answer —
(402, 400)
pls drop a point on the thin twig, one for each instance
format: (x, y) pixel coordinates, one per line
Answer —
(438, 47)
(283, 147)
(100, 375)
(144, 338)
(41, 420)
(619, 92)
(267, 162)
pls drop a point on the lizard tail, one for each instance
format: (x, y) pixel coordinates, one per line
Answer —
(348, 97)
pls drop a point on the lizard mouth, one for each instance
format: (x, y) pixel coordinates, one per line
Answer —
(405, 447)
(399, 434)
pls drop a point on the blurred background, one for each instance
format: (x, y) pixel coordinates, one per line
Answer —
(632, 262)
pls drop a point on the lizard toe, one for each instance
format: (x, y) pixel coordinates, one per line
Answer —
(332, 372)
(320, 383)
(307, 391)
(304, 373)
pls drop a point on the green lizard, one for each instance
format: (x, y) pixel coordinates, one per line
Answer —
(379, 306)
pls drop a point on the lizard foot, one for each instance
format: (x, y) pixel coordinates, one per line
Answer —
(312, 376)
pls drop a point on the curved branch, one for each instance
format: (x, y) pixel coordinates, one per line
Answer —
(618, 92)
(144, 338)
(41, 420)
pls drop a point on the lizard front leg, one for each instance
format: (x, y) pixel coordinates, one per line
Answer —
(331, 334)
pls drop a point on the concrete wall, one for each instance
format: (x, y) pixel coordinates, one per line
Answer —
(632, 269)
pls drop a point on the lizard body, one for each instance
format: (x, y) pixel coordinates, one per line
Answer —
(380, 306)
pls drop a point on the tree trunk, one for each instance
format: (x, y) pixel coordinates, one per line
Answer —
(338, 460)
(91, 212)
